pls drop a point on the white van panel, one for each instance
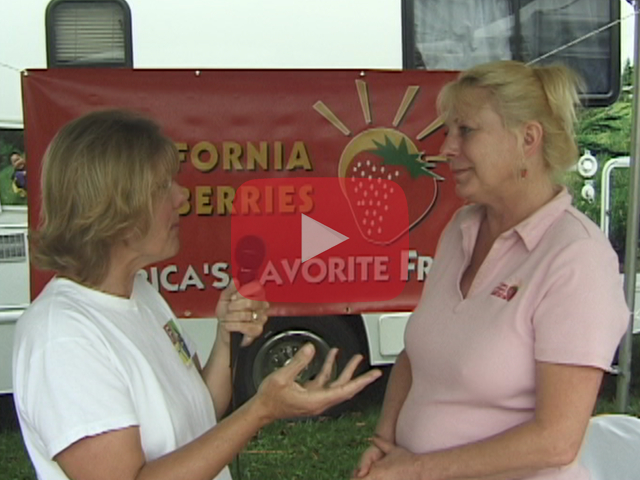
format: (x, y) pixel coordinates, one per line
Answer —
(219, 34)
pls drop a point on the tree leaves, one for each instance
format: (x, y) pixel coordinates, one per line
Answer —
(606, 132)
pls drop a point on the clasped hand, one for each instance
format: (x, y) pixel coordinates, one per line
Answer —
(384, 460)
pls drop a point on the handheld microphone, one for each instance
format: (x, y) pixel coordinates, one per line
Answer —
(249, 255)
(250, 252)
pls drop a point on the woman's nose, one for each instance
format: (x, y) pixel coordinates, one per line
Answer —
(451, 146)
(180, 195)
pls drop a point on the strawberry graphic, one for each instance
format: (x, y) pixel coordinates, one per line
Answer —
(372, 167)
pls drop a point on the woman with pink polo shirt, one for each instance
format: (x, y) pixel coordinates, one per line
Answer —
(523, 308)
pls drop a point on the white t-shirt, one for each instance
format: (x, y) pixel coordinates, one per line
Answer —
(86, 362)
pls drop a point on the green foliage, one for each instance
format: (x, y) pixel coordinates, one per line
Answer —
(627, 74)
(606, 132)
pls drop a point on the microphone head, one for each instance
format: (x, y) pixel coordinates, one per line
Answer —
(249, 255)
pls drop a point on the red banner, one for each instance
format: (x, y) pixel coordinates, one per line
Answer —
(233, 126)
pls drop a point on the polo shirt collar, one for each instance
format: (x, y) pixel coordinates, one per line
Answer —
(530, 230)
(533, 228)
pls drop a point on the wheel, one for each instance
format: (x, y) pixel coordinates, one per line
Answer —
(280, 342)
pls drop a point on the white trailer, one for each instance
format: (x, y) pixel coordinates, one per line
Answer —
(282, 34)
(195, 34)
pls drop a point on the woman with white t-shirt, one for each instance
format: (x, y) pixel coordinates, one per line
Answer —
(523, 308)
(106, 384)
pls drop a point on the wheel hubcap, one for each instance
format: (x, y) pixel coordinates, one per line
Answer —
(280, 349)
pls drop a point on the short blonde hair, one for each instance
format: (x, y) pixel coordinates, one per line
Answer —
(100, 177)
(521, 93)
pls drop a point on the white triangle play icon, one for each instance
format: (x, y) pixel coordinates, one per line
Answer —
(317, 238)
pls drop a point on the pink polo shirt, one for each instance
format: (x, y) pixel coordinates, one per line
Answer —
(549, 290)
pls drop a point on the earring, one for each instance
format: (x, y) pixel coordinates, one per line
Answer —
(523, 171)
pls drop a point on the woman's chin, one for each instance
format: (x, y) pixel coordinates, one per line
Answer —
(464, 192)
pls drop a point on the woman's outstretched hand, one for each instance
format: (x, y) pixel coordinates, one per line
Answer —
(280, 396)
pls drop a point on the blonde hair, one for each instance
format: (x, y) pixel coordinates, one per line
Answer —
(521, 93)
(101, 174)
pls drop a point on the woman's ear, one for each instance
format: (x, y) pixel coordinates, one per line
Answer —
(532, 135)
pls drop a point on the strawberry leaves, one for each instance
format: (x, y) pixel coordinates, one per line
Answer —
(400, 156)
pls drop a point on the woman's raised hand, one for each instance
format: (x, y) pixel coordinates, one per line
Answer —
(280, 396)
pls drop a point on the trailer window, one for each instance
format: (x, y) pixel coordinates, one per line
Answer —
(456, 34)
(94, 33)
(13, 169)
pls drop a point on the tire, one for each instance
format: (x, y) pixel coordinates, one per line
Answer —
(283, 337)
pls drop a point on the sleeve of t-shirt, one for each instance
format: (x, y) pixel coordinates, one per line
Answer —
(75, 389)
(583, 313)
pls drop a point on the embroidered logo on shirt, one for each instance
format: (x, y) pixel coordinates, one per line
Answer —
(178, 341)
(505, 291)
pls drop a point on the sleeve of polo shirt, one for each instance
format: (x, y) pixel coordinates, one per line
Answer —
(583, 313)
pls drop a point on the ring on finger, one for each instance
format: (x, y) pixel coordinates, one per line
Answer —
(254, 316)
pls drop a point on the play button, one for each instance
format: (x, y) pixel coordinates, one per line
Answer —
(308, 240)
(318, 238)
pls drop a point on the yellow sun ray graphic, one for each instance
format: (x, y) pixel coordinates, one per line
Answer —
(363, 95)
(431, 128)
(331, 117)
(436, 158)
(409, 96)
(382, 154)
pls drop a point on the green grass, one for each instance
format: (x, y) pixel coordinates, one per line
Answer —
(321, 449)
(13, 458)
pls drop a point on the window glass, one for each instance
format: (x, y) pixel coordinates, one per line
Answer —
(551, 26)
(456, 34)
(89, 33)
